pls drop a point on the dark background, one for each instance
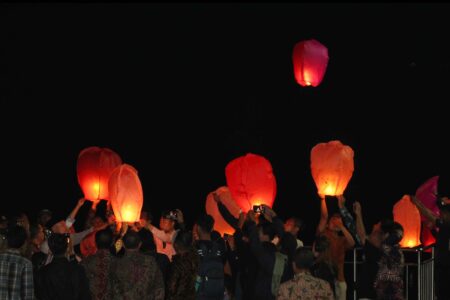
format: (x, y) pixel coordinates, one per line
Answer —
(180, 90)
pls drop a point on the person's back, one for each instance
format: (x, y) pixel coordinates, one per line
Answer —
(304, 285)
(16, 272)
(61, 279)
(98, 265)
(135, 275)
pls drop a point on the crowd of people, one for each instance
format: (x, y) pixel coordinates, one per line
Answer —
(263, 259)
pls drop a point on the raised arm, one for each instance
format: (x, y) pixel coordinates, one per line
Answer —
(323, 215)
(427, 213)
(360, 229)
(348, 220)
(71, 218)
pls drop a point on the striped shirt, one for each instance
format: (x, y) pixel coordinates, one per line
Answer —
(16, 276)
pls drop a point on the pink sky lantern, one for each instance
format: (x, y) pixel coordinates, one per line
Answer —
(407, 214)
(426, 193)
(310, 59)
(212, 209)
(94, 166)
(251, 181)
(126, 194)
(331, 167)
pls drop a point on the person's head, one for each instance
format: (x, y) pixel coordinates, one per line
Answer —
(205, 224)
(3, 222)
(44, 216)
(303, 260)
(321, 246)
(58, 243)
(394, 235)
(97, 222)
(381, 228)
(131, 240)
(16, 236)
(266, 232)
(167, 222)
(38, 260)
(145, 219)
(443, 204)
(148, 242)
(104, 238)
(183, 241)
(293, 226)
(335, 222)
(60, 227)
(37, 235)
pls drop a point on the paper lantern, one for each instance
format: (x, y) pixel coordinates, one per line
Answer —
(407, 214)
(94, 166)
(426, 236)
(126, 194)
(331, 167)
(212, 209)
(426, 193)
(310, 59)
(251, 181)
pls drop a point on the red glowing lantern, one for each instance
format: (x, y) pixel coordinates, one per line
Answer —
(251, 181)
(310, 60)
(212, 209)
(407, 214)
(331, 167)
(125, 191)
(94, 166)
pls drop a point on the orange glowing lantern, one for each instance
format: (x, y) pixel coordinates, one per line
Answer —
(331, 167)
(94, 166)
(212, 209)
(310, 60)
(126, 194)
(407, 214)
(251, 181)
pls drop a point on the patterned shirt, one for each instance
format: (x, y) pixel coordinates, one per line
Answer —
(136, 276)
(304, 286)
(98, 268)
(16, 276)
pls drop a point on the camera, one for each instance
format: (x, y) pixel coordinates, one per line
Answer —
(259, 209)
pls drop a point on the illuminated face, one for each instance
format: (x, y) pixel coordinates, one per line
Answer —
(335, 223)
(97, 222)
(166, 225)
(290, 226)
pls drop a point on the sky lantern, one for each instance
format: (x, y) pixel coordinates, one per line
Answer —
(310, 59)
(331, 167)
(94, 166)
(407, 214)
(126, 195)
(212, 209)
(426, 193)
(251, 181)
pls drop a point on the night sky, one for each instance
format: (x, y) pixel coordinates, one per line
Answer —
(180, 90)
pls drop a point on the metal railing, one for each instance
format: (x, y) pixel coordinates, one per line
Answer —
(418, 274)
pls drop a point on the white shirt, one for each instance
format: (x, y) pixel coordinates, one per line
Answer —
(164, 241)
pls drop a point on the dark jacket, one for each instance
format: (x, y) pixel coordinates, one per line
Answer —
(62, 279)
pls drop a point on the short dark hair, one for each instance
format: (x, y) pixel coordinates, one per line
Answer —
(104, 238)
(304, 258)
(183, 240)
(147, 239)
(131, 240)
(16, 236)
(206, 223)
(386, 225)
(268, 229)
(58, 242)
(393, 235)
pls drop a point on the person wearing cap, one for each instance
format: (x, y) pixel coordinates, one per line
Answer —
(165, 236)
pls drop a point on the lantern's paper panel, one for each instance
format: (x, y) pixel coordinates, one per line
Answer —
(251, 181)
(310, 60)
(126, 194)
(407, 214)
(426, 193)
(212, 209)
(331, 167)
(94, 166)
